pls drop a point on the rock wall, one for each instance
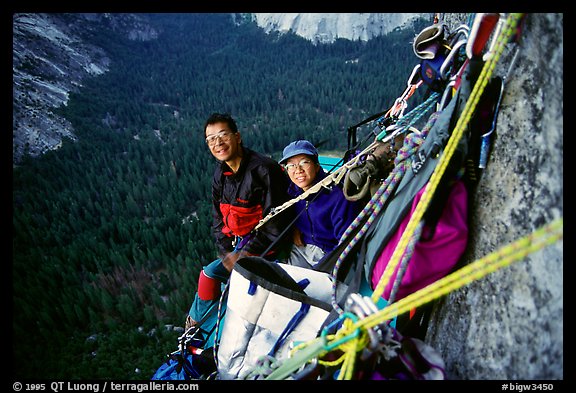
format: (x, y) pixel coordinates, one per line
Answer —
(50, 59)
(509, 325)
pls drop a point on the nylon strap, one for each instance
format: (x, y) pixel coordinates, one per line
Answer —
(463, 120)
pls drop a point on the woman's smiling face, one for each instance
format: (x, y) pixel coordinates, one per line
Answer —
(302, 170)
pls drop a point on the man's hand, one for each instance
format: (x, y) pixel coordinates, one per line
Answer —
(297, 237)
(230, 259)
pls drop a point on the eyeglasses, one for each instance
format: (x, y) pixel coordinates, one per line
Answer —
(303, 164)
(223, 135)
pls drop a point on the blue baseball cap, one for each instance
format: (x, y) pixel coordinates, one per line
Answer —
(298, 147)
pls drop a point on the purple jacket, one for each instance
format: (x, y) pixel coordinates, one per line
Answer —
(326, 215)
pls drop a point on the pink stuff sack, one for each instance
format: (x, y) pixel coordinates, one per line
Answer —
(432, 258)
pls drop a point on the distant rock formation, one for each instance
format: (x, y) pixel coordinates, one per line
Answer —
(328, 27)
(50, 60)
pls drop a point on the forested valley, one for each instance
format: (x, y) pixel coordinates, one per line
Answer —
(110, 231)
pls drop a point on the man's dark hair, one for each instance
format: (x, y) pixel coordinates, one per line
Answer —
(222, 118)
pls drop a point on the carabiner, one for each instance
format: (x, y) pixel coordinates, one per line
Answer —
(449, 59)
(414, 76)
(360, 307)
(447, 92)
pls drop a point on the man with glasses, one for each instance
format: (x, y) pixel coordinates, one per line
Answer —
(322, 217)
(245, 187)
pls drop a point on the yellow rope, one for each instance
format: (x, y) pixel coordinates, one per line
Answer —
(518, 250)
(540, 238)
(347, 370)
(487, 70)
(353, 345)
(349, 349)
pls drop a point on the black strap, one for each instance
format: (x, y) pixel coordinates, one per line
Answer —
(352, 139)
(269, 271)
(368, 120)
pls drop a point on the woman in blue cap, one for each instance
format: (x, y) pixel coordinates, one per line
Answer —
(322, 217)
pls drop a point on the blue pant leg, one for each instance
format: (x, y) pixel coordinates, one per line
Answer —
(200, 307)
(216, 269)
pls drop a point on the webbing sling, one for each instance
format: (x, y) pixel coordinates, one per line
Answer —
(469, 104)
(423, 165)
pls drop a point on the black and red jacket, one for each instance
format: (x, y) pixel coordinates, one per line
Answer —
(240, 200)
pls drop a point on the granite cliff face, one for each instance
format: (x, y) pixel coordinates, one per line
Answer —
(509, 325)
(51, 58)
